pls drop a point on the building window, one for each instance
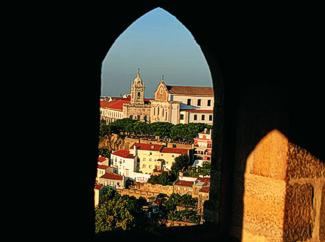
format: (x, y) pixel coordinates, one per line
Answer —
(131, 116)
(138, 117)
(188, 101)
(210, 117)
(209, 102)
(150, 153)
(158, 111)
(203, 117)
(182, 117)
(138, 94)
(195, 117)
(199, 102)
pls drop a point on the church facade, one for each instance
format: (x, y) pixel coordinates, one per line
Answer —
(139, 107)
(173, 104)
(182, 104)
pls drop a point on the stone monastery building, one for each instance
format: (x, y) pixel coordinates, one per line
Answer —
(173, 104)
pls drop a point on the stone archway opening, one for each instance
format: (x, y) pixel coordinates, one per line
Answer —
(177, 107)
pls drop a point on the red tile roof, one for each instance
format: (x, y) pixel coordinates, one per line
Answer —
(101, 159)
(98, 186)
(112, 176)
(102, 167)
(174, 150)
(184, 183)
(205, 189)
(115, 104)
(190, 90)
(203, 179)
(123, 153)
(153, 147)
(197, 110)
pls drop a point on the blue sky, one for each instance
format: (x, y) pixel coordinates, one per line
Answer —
(158, 44)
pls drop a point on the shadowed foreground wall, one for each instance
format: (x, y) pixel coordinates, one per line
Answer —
(282, 193)
(245, 44)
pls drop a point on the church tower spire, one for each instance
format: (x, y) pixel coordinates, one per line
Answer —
(137, 90)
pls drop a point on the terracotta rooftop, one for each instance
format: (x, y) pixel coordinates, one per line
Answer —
(190, 90)
(101, 159)
(153, 147)
(174, 150)
(102, 166)
(184, 183)
(112, 176)
(98, 186)
(123, 153)
(197, 110)
(205, 189)
(115, 104)
(205, 180)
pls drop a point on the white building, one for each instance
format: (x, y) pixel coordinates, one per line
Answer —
(111, 179)
(203, 148)
(112, 109)
(97, 189)
(182, 104)
(125, 162)
(101, 170)
(102, 160)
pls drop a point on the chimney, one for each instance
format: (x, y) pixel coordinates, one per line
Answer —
(135, 150)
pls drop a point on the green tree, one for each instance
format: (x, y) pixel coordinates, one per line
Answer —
(178, 132)
(161, 129)
(164, 179)
(205, 170)
(107, 193)
(116, 212)
(181, 164)
(104, 152)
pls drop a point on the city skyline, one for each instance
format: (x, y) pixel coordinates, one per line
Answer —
(159, 45)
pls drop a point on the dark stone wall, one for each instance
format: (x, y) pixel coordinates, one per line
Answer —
(299, 217)
(322, 216)
(302, 164)
(57, 50)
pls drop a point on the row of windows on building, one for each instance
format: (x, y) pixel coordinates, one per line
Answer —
(150, 153)
(163, 112)
(149, 166)
(144, 159)
(199, 102)
(195, 117)
(138, 117)
(113, 114)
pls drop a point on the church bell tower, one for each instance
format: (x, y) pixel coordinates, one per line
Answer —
(137, 90)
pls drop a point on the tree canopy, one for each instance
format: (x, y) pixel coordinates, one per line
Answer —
(164, 179)
(116, 212)
(165, 130)
(181, 163)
